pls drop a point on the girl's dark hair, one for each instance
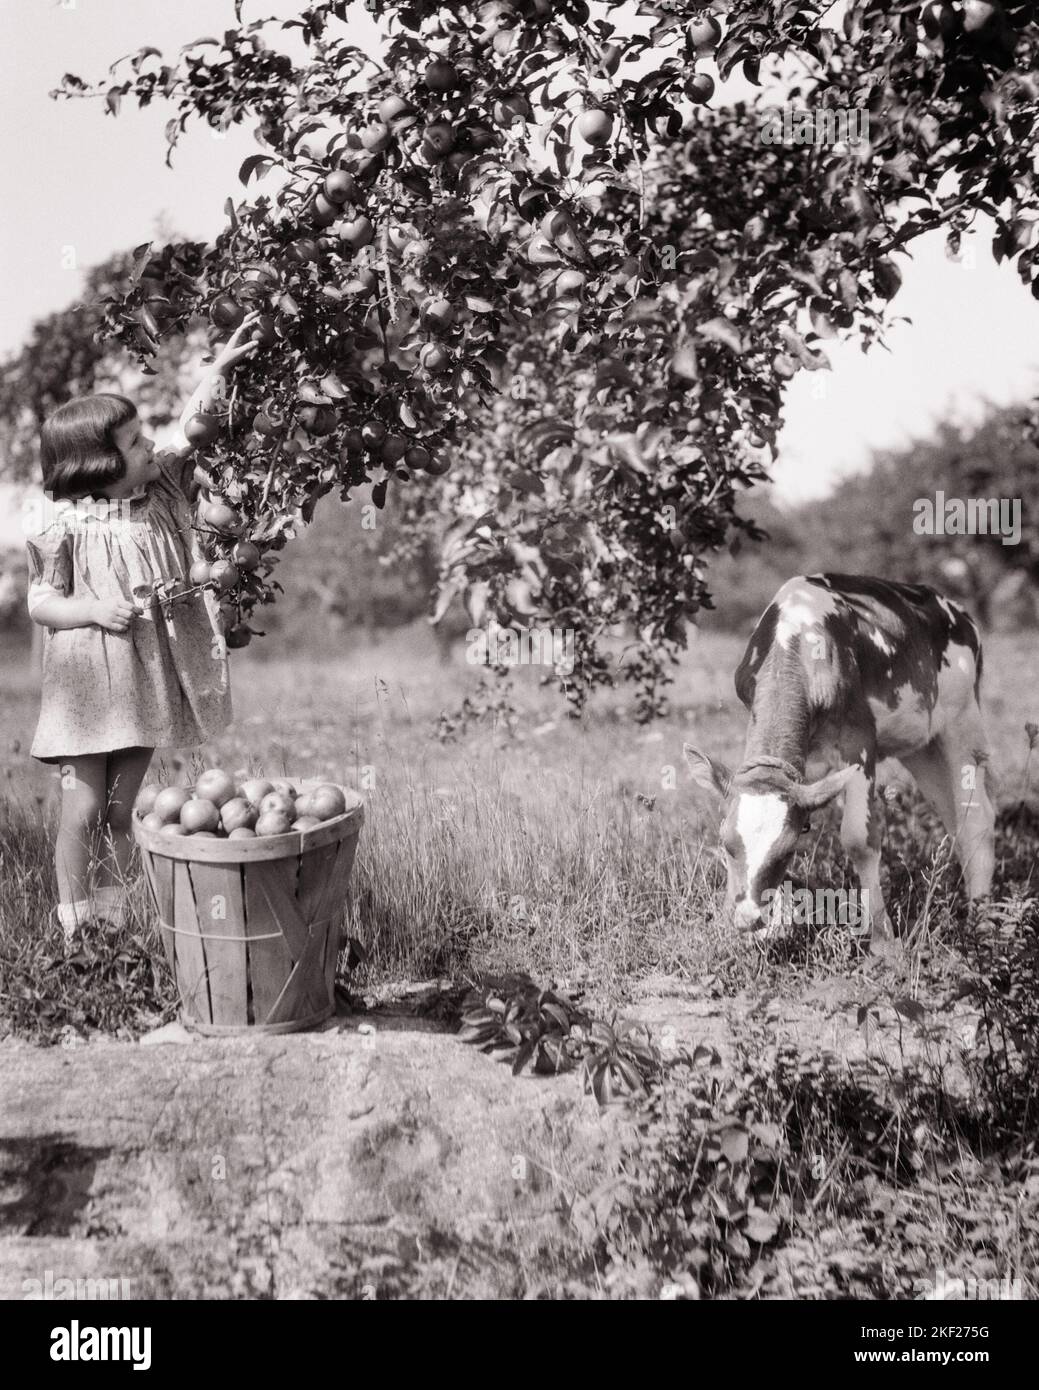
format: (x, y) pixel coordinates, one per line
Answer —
(78, 450)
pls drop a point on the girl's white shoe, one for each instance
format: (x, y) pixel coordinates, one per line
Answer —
(73, 915)
(106, 905)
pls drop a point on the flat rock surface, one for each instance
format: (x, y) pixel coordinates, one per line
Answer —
(854, 1019)
(377, 1158)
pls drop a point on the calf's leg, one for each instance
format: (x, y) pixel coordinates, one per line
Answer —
(862, 831)
(950, 772)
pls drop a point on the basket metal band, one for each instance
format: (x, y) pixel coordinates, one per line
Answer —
(212, 936)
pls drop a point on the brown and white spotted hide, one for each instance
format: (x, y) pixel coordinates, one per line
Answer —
(847, 670)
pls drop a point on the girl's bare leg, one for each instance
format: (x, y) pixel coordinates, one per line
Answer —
(80, 829)
(125, 773)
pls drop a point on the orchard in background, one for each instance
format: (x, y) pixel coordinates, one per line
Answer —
(564, 356)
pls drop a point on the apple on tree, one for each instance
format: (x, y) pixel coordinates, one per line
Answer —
(438, 314)
(226, 313)
(224, 574)
(595, 126)
(700, 88)
(340, 187)
(433, 357)
(394, 108)
(246, 555)
(202, 430)
(441, 76)
(704, 32)
(217, 515)
(357, 233)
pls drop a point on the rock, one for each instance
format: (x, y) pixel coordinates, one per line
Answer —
(168, 1033)
(378, 1164)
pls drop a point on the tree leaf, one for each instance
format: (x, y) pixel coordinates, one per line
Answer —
(910, 1008)
(720, 330)
(735, 1143)
(256, 164)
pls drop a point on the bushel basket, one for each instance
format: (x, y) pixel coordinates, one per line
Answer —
(250, 925)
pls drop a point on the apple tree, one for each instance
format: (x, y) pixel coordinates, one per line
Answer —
(528, 274)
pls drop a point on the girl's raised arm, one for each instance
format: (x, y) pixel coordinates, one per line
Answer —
(211, 384)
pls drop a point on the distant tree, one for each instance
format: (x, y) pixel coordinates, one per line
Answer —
(71, 353)
(866, 525)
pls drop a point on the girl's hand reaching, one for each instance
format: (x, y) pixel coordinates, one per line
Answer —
(234, 349)
(114, 614)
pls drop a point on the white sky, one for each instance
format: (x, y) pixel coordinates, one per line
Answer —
(96, 183)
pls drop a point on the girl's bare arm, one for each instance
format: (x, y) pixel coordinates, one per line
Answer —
(211, 384)
(112, 614)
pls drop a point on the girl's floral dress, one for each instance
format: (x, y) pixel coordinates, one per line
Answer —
(164, 683)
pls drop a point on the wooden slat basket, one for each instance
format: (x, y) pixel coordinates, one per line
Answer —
(249, 925)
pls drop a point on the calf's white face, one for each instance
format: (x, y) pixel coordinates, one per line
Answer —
(760, 828)
(759, 835)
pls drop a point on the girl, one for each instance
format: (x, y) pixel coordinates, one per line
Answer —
(119, 677)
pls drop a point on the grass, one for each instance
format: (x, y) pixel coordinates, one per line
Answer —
(561, 848)
(575, 852)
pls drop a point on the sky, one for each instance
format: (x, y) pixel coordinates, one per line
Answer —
(89, 183)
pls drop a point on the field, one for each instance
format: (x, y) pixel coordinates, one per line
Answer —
(822, 1122)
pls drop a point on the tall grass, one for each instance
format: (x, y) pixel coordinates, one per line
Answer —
(566, 850)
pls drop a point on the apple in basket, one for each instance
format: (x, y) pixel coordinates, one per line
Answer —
(325, 801)
(169, 802)
(305, 823)
(276, 821)
(241, 832)
(173, 828)
(255, 789)
(152, 821)
(215, 786)
(238, 813)
(200, 814)
(278, 801)
(145, 802)
(282, 784)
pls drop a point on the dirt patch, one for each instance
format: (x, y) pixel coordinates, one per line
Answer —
(856, 1019)
(373, 1159)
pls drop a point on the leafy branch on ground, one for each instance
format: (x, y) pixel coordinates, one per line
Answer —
(551, 1033)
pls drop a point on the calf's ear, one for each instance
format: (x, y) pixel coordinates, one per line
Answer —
(815, 794)
(707, 773)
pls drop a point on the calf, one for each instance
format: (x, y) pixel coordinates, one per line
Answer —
(851, 669)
